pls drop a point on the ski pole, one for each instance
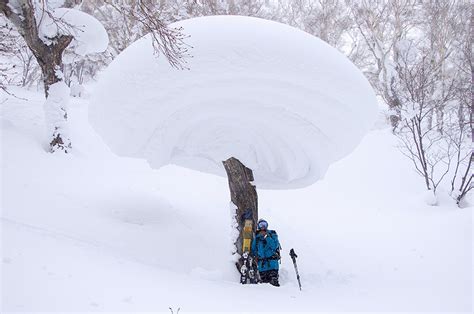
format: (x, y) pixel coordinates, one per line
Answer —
(293, 257)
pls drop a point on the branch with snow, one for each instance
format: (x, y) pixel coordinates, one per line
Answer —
(167, 40)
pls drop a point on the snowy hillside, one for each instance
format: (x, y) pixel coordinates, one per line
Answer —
(91, 231)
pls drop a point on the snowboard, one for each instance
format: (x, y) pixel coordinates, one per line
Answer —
(247, 264)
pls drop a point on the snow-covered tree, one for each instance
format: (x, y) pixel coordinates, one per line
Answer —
(65, 43)
(48, 30)
(463, 109)
(383, 25)
(264, 99)
(7, 51)
(430, 81)
(326, 19)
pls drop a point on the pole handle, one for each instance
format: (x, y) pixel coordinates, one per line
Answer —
(293, 254)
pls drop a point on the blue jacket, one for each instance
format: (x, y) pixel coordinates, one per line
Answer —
(266, 250)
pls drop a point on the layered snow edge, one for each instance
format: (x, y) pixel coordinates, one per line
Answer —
(280, 100)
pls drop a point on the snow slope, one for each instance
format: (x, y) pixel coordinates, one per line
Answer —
(91, 231)
(282, 101)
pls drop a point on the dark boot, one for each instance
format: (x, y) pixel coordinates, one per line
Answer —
(274, 282)
(265, 276)
(274, 278)
(270, 276)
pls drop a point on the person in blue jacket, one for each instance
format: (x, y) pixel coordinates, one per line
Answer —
(266, 250)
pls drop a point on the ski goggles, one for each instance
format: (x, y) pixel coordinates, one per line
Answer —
(262, 225)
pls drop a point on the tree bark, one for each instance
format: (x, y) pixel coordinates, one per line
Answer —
(243, 194)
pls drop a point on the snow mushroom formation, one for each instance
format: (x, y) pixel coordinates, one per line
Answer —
(282, 101)
(89, 34)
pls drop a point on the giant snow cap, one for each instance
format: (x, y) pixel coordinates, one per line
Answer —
(89, 35)
(280, 100)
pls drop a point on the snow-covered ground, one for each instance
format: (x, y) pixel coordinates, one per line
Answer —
(91, 231)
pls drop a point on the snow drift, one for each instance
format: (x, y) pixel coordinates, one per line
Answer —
(282, 101)
(108, 235)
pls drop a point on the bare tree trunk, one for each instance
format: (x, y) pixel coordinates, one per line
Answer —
(50, 60)
(242, 193)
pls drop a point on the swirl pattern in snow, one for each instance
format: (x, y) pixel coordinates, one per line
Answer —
(282, 101)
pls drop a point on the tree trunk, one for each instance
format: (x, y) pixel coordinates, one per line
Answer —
(243, 194)
(50, 60)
